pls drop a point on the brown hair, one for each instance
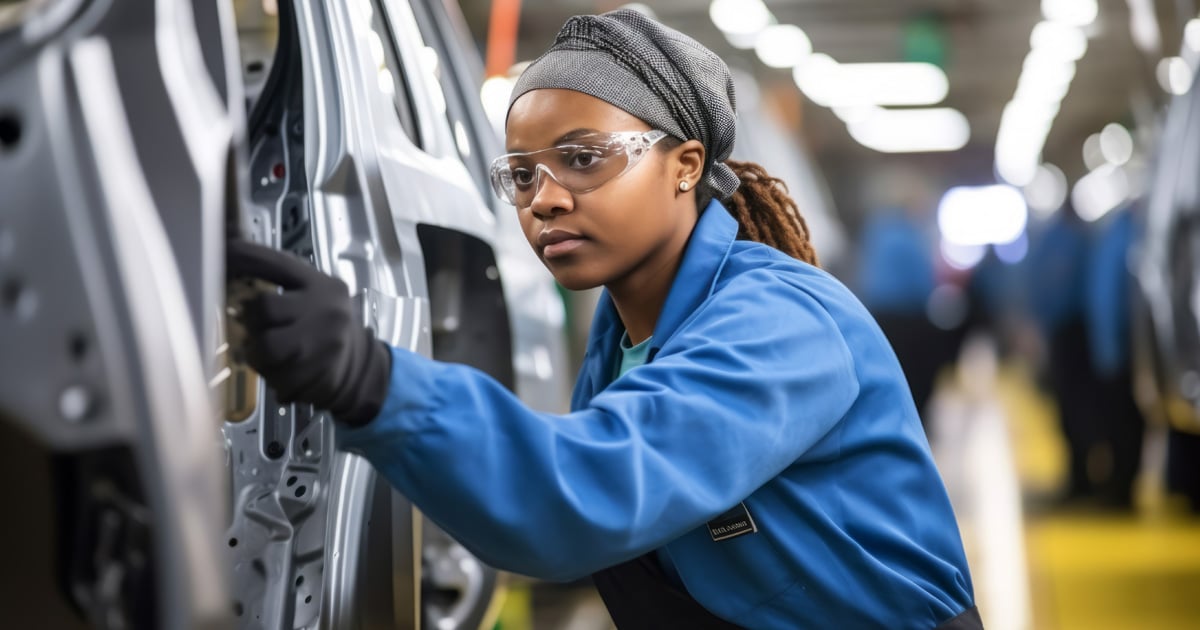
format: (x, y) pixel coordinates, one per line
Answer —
(766, 213)
(764, 210)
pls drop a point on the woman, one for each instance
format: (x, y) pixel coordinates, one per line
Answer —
(743, 451)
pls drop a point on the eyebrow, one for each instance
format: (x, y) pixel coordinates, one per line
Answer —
(570, 135)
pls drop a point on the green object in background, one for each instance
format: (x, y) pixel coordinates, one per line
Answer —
(925, 40)
(517, 611)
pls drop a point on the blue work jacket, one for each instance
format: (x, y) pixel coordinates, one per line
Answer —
(768, 385)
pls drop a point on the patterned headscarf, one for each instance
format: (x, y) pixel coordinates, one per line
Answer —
(656, 73)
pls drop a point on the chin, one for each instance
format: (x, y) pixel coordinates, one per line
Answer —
(573, 279)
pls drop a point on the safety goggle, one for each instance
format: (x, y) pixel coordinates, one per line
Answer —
(585, 164)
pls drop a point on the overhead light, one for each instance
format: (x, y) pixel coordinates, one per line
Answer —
(1093, 156)
(1071, 12)
(1100, 192)
(1060, 40)
(831, 84)
(857, 113)
(1143, 26)
(739, 17)
(1116, 144)
(982, 215)
(1174, 75)
(1191, 35)
(912, 130)
(495, 93)
(782, 46)
(742, 41)
(1047, 191)
(1024, 125)
(1014, 252)
(962, 257)
(1042, 68)
(1046, 76)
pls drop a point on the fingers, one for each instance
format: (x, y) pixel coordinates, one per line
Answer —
(246, 259)
(272, 310)
(271, 352)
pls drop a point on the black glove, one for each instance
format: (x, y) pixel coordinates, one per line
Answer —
(309, 342)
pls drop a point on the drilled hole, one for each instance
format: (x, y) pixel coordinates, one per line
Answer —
(233, 542)
(308, 599)
(10, 131)
(300, 491)
(17, 299)
(305, 447)
(291, 481)
(299, 580)
(78, 346)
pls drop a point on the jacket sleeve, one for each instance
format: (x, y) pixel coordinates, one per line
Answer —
(758, 375)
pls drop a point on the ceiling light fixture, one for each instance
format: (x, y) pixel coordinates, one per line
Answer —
(1072, 12)
(832, 84)
(782, 46)
(739, 17)
(912, 130)
(982, 215)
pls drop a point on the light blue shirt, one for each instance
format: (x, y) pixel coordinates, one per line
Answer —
(766, 382)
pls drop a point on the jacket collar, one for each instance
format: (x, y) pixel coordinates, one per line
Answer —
(705, 255)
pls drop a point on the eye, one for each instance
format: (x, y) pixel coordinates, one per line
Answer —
(522, 177)
(583, 159)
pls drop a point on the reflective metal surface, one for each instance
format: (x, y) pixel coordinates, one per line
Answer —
(104, 405)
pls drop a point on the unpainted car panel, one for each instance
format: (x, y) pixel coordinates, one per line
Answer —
(1167, 317)
(101, 370)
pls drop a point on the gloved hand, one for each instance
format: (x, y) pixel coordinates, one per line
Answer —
(309, 342)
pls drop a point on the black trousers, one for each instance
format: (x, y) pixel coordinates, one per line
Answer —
(639, 596)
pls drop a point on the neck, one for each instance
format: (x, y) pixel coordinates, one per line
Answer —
(639, 296)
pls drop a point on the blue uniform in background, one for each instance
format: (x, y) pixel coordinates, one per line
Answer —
(896, 274)
(766, 383)
(1107, 294)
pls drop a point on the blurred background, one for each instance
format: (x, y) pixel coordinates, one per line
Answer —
(1012, 190)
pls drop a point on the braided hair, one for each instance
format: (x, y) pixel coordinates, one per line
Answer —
(765, 211)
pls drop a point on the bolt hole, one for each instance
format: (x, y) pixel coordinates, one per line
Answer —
(233, 542)
(291, 481)
(238, 609)
(299, 580)
(78, 347)
(300, 491)
(16, 298)
(254, 67)
(308, 599)
(10, 131)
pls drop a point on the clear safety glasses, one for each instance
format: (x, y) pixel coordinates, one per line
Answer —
(581, 165)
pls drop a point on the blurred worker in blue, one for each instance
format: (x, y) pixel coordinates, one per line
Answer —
(1108, 303)
(1057, 260)
(1079, 295)
(896, 281)
(743, 450)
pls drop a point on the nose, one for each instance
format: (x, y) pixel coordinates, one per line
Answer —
(550, 197)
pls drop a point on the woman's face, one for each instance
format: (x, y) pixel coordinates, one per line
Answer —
(636, 222)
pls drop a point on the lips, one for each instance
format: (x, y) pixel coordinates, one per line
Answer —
(555, 243)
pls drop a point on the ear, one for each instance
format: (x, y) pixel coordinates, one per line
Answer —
(688, 163)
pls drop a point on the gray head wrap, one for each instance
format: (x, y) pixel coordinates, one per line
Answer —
(655, 73)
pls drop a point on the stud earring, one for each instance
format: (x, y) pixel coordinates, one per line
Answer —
(683, 186)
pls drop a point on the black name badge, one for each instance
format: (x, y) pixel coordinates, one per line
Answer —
(732, 524)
